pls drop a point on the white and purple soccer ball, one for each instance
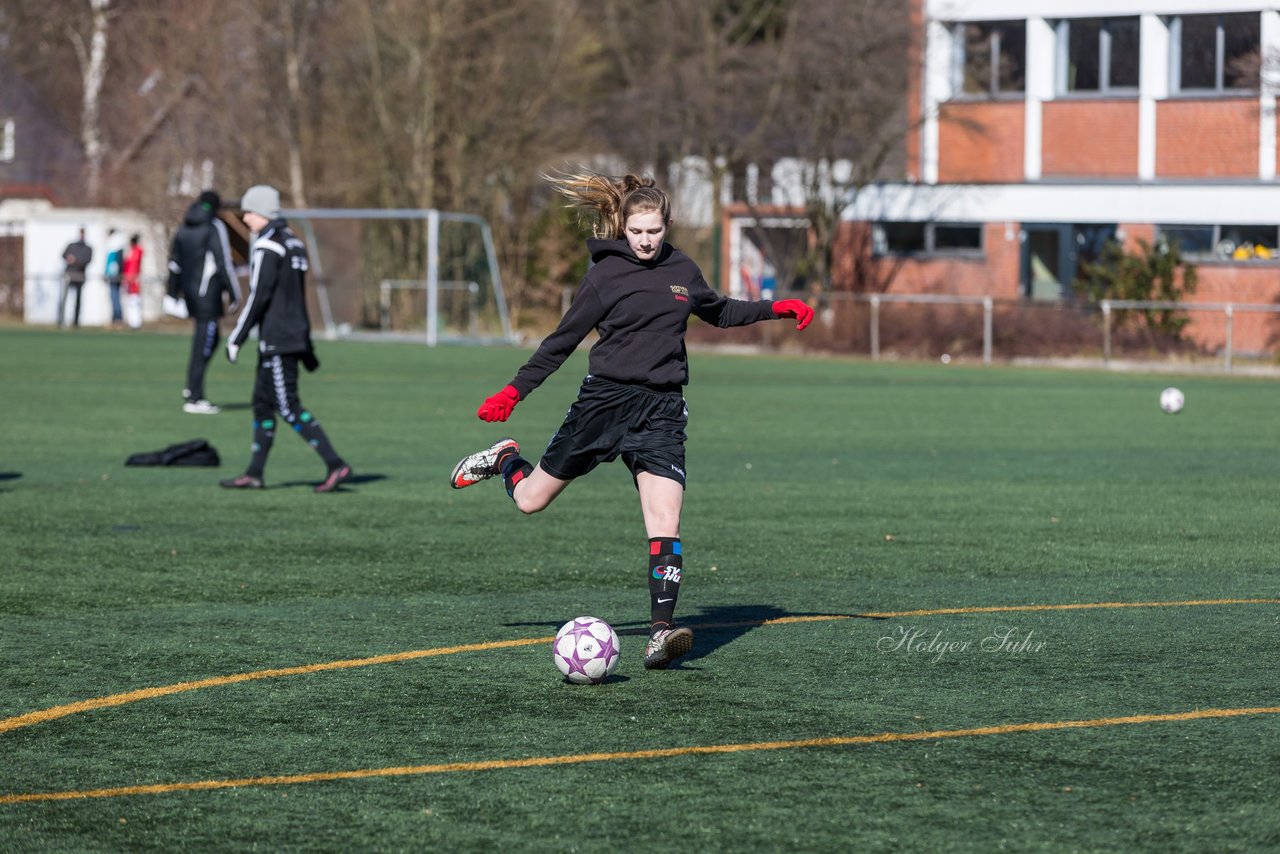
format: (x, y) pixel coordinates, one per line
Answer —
(1172, 400)
(586, 650)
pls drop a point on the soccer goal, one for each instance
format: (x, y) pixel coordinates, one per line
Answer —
(424, 275)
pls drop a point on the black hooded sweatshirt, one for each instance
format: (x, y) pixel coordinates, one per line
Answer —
(200, 264)
(641, 311)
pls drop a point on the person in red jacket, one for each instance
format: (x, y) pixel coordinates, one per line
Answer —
(638, 295)
(133, 283)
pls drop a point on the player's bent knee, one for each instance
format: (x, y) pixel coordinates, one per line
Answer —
(528, 504)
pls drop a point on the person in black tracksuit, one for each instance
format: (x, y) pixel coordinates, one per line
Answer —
(277, 305)
(638, 296)
(201, 270)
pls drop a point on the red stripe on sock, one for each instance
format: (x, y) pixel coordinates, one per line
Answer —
(655, 547)
(516, 477)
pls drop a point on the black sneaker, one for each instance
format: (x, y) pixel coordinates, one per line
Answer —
(665, 646)
(241, 481)
(335, 477)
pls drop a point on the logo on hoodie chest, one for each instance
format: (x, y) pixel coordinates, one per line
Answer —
(680, 292)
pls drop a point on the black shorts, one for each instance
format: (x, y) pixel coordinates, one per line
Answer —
(643, 425)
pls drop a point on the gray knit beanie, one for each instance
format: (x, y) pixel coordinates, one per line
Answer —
(262, 199)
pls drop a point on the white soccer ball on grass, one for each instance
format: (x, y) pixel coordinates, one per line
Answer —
(1172, 400)
(586, 650)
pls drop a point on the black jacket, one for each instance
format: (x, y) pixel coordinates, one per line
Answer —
(277, 302)
(641, 310)
(80, 255)
(200, 264)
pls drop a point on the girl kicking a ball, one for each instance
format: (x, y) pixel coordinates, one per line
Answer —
(638, 296)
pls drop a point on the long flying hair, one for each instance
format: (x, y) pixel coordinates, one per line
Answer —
(607, 201)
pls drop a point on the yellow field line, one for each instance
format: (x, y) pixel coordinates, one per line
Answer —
(55, 712)
(575, 759)
(32, 718)
(1082, 606)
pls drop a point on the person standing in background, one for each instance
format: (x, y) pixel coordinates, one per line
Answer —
(132, 273)
(76, 256)
(114, 272)
(277, 305)
(200, 271)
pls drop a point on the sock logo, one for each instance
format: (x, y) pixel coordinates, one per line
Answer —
(667, 573)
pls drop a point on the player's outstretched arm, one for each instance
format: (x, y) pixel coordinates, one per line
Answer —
(498, 407)
(796, 308)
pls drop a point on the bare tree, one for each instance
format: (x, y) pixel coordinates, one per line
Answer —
(698, 80)
(844, 119)
(93, 69)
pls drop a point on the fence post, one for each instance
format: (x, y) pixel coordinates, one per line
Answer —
(1106, 331)
(384, 305)
(433, 276)
(986, 330)
(1230, 312)
(875, 327)
(473, 309)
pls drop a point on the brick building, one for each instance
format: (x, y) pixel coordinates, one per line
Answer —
(1051, 126)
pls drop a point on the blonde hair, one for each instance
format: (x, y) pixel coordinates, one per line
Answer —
(610, 201)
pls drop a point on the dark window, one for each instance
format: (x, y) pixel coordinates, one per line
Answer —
(994, 57)
(916, 238)
(957, 238)
(1191, 239)
(899, 238)
(1223, 242)
(1216, 52)
(1121, 36)
(1246, 242)
(1241, 51)
(1099, 54)
(1083, 74)
(1199, 49)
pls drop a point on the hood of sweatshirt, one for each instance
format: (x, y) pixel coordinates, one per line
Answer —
(601, 249)
(198, 214)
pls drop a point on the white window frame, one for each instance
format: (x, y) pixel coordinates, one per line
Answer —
(995, 47)
(1219, 61)
(1062, 30)
(930, 249)
(8, 141)
(1214, 255)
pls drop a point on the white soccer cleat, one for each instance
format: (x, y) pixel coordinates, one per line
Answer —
(481, 465)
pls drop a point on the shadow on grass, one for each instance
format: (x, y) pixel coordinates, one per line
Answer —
(716, 626)
(354, 480)
(10, 475)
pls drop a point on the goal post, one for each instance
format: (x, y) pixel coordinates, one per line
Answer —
(420, 274)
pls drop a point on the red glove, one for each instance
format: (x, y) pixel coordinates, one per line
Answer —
(498, 407)
(794, 308)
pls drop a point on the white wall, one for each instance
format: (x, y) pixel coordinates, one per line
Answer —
(46, 234)
(996, 10)
(1166, 204)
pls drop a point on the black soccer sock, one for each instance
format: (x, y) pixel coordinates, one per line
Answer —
(665, 564)
(310, 429)
(514, 468)
(264, 435)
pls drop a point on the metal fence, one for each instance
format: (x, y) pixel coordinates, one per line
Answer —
(1101, 315)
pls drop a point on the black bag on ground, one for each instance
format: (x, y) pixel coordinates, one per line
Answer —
(197, 452)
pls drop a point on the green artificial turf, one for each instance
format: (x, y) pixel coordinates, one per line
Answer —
(827, 500)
